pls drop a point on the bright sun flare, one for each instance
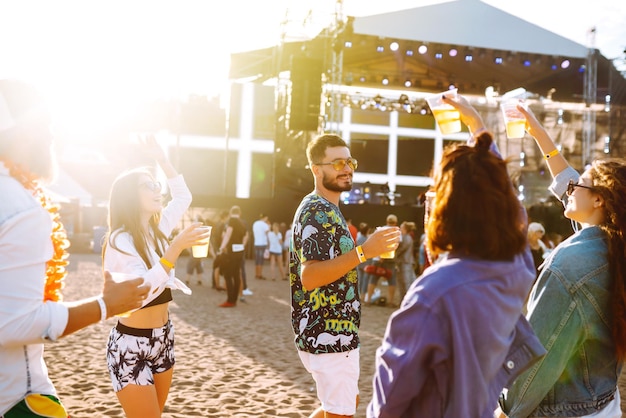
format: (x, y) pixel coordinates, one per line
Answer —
(97, 61)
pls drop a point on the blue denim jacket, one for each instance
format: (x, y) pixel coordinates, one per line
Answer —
(569, 310)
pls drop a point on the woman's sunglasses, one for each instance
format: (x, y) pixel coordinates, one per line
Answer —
(571, 186)
(153, 186)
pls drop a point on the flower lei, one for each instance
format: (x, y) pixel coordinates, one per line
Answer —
(55, 267)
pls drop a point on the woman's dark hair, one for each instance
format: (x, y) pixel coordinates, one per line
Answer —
(609, 180)
(125, 216)
(475, 210)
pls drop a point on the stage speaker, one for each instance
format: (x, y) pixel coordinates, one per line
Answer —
(306, 92)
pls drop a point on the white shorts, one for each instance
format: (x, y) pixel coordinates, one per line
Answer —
(336, 376)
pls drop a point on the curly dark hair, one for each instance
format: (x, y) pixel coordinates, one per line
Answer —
(609, 180)
(475, 210)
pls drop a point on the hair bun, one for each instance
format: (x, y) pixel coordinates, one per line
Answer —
(484, 141)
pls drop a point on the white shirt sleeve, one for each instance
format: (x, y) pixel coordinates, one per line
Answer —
(559, 184)
(42, 325)
(25, 247)
(176, 208)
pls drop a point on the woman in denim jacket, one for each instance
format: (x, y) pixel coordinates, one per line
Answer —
(577, 306)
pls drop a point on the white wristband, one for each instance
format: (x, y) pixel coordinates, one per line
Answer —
(103, 308)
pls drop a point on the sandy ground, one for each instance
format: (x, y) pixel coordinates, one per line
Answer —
(237, 362)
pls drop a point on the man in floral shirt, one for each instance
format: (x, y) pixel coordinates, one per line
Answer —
(326, 309)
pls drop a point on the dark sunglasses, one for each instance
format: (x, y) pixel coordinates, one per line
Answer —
(340, 164)
(571, 186)
(153, 186)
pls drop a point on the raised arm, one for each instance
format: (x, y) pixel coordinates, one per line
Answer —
(471, 118)
(469, 115)
(554, 159)
(154, 150)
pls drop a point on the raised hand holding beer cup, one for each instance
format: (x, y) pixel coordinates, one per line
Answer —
(201, 250)
(447, 117)
(391, 253)
(468, 114)
(514, 120)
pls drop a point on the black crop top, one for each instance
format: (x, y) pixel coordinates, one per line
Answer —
(164, 297)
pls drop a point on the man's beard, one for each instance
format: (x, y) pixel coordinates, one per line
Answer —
(330, 183)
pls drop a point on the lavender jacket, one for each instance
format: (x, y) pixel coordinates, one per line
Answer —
(458, 338)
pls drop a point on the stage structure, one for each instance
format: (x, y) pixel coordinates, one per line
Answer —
(366, 78)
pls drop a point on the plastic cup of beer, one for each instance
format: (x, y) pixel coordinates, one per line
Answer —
(389, 254)
(514, 120)
(122, 277)
(202, 250)
(447, 117)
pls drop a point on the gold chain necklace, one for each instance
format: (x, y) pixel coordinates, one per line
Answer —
(55, 267)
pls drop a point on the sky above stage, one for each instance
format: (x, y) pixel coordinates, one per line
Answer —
(111, 55)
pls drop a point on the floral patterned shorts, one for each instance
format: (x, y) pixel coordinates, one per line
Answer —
(135, 355)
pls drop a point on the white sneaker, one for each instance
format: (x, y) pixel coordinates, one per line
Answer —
(247, 292)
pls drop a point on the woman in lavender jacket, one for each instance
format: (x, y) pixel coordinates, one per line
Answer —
(459, 335)
(140, 349)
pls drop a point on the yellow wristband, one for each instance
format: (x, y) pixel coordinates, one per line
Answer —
(551, 154)
(360, 254)
(166, 263)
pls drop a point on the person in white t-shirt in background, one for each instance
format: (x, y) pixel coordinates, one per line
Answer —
(275, 239)
(260, 228)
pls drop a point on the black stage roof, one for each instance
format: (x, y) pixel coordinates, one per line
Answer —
(506, 53)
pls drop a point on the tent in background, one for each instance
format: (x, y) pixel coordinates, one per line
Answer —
(65, 189)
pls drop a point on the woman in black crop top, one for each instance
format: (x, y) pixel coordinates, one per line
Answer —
(140, 349)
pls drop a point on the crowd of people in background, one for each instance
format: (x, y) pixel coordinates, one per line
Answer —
(384, 283)
(269, 252)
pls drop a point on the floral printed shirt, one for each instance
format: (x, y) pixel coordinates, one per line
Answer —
(325, 319)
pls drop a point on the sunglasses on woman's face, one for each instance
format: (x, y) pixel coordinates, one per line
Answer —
(340, 164)
(571, 186)
(153, 186)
